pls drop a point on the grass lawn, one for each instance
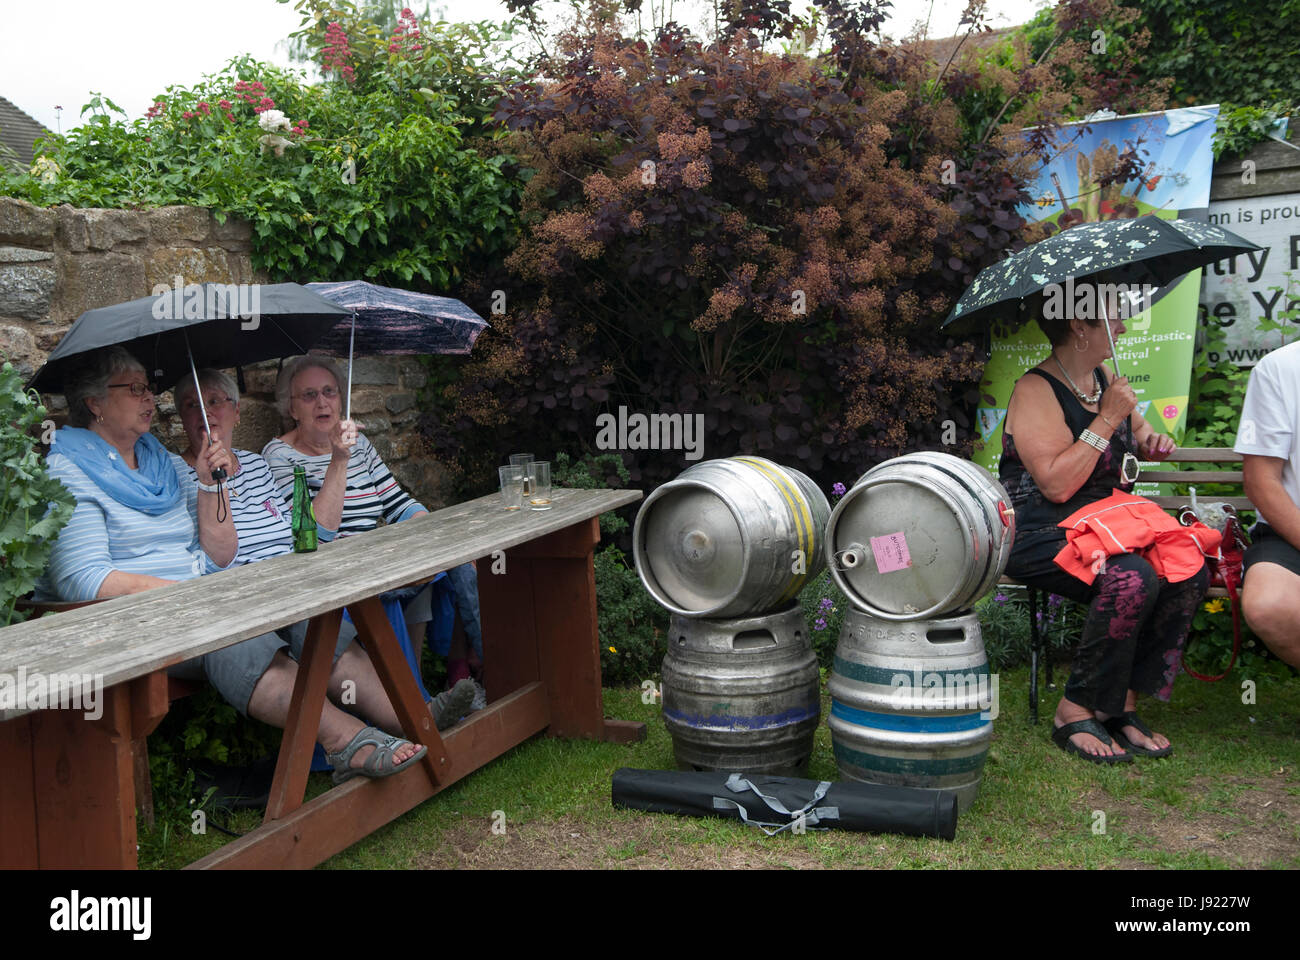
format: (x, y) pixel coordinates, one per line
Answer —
(1229, 798)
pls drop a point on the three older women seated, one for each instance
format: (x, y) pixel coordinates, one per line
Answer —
(131, 531)
(260, 511)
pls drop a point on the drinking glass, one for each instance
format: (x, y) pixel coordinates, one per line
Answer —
(512, 487)
(539, 493)
(523, 461)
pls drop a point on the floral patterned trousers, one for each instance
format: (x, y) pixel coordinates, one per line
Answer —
(1136, 627)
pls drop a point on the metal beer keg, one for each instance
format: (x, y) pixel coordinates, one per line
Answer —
(920, 536)
(912, 704)
(728, 538)
(742, 695)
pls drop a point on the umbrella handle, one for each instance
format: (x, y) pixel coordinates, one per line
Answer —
(1114, 353)
(218, 474)
(351, 343)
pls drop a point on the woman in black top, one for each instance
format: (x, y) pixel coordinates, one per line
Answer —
(1071, 436)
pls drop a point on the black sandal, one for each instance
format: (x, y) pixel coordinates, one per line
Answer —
(1116, 727)
(1061, 737)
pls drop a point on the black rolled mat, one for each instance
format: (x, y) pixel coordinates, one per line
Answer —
(776, 803)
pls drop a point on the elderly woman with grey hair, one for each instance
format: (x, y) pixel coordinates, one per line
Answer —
(352, 490)
(261, 517)
(131, 531)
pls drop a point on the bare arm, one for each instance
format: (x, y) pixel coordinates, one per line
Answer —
(1150, 444)
(328, 502)
(218, 538)
(1263, 485)
(118, 584)
(1058, 463)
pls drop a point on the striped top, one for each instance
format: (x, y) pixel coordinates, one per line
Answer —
(260, 513)
(104, 535)
(372, 492)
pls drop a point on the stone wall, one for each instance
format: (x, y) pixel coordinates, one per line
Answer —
(57, 263)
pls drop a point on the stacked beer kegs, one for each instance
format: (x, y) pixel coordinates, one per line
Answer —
(725, 548)
(914, 543)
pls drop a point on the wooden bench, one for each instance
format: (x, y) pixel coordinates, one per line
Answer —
(67, 797)
(1197, 478)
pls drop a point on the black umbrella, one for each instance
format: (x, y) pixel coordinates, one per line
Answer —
(227, 325)
(1145, 250)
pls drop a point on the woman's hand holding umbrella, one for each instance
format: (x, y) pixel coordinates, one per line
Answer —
(343, 437)
(211, 456)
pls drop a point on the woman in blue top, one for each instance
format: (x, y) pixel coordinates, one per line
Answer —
(130, 531)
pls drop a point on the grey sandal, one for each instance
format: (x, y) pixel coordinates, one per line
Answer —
(379, 763)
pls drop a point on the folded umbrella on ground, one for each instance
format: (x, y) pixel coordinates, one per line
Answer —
(777, 804)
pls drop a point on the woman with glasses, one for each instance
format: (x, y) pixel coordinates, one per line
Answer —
(261, 517)
(1072, 435)
(131, 531)
(352, 490)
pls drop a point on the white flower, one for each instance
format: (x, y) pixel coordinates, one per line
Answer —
(272, 140)
(274, 120)
(46, 169)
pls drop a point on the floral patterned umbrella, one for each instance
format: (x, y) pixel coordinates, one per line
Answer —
(1143, 250)
(389, 321)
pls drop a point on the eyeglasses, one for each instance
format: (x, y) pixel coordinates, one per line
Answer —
(137, 388)
(213, 403)
(309, 396)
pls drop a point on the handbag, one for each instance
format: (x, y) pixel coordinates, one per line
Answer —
(1225, 569)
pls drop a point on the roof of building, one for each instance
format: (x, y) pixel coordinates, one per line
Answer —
(18, 132)
(940, 49)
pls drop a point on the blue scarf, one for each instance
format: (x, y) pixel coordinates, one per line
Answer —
(151, 489)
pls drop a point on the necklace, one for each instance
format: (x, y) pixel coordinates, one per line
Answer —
(1085, 397)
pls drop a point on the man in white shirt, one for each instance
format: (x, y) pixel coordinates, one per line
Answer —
(1269, 440)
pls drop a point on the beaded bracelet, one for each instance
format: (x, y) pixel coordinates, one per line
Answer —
(208, 487)
(1094, 440)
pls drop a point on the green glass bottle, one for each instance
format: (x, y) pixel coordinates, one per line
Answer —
(303, 523)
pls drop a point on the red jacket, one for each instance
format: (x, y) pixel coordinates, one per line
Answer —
(1124, 523)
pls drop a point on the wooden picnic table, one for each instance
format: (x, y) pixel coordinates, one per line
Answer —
(67, 797)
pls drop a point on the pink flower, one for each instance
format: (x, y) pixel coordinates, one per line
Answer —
(204, 108)
(224, 104)
(187, 114)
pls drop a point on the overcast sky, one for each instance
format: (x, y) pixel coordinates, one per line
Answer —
(129, 50)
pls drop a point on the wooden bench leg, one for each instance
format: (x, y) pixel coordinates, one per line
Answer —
(395, 674)
(545, 603)
(293, 765)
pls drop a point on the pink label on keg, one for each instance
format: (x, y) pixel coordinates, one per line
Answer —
(891, 552)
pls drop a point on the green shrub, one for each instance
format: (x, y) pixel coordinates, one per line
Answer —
(33, 505)
(376, 174)
(633, 628)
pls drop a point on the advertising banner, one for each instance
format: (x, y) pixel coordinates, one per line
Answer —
(1240, 292)
(1156, 352)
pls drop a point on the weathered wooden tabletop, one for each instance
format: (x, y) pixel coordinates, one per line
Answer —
(132, 636)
